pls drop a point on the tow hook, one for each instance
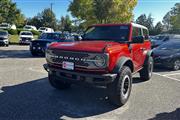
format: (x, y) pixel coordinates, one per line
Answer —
(46, 67)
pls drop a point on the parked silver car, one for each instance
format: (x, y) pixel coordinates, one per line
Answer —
(4, 38)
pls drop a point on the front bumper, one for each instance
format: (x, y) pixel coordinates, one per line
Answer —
(38, 49)
(3, 42)
(75, 77)
(24, 41)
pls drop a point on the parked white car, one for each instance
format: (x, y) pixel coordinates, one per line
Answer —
(4, 38)
(7, 26)
(25, 37)
(45, 29)
(29, 27)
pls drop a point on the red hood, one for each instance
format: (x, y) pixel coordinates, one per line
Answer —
(88, 46)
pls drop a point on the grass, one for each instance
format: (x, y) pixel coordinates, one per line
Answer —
(14, 39)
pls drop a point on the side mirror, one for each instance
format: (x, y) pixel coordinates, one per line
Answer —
(146, 37)
(138, 39)
(166, 39)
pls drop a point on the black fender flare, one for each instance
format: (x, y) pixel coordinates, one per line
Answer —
(121, 62)
(148, 54)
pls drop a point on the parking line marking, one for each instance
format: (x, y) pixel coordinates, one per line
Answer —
(172, 74)
(167, 77)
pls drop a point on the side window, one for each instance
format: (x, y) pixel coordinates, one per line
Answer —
(146, 34)
(136, 32)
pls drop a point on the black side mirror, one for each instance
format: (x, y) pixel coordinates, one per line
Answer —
(166, 39)
(146, 37)
(138, 39)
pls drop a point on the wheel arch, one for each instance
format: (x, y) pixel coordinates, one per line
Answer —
(123, 61)
(148, 54)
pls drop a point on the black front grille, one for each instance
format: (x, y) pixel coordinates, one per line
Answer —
(24, 39)
(78, 58)
(39, 44)
(2, 38)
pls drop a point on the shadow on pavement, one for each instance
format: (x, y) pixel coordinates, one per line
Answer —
(162, 69)
(137, 80)
(175, 115)
(15, 54)
(38, 100)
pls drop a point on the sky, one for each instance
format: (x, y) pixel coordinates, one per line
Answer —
(158, 8)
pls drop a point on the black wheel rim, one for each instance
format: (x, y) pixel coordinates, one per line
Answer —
(176, 65)
(125, 86)
(150, 68)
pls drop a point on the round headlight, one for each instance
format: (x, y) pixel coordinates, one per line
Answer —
(100, 61)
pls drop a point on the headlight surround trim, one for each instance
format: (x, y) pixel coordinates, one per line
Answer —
(101, 60)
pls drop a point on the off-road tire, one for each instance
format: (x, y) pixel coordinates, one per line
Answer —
(176, 65)
(118, 91)
(146, 72)
(54, 82)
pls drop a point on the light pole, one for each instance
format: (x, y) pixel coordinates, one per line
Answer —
(51, 13)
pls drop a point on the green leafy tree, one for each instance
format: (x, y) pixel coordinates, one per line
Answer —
(48, 18)
(10, 13)
(65, 23)
(146, 21)
(102, 11)
(158, 28)
(175, 17)
(142, 19)
(36, 21)
(167, 21)
(172, 19)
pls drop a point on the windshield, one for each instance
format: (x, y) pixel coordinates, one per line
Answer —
(3, 25)
(27, 27)
(26, 33)
(170, 45)
(51, 36)
(42, 28)
(3, 33)
(109, 33)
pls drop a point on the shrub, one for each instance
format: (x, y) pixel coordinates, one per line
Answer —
(34, 32)
(19, 30)
(12, 32)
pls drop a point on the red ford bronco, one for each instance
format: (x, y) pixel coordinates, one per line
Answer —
(107, 55)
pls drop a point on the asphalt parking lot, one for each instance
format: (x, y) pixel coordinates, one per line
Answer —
(26, 94)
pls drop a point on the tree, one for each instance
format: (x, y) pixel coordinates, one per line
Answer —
(36, 21)
(146, 21)
(48, 18)
(175, 17)
(172, 19)
(10, 13)
(167, 21)
(142, 20)
(102, 11)
(65, 23)
(158, 28)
